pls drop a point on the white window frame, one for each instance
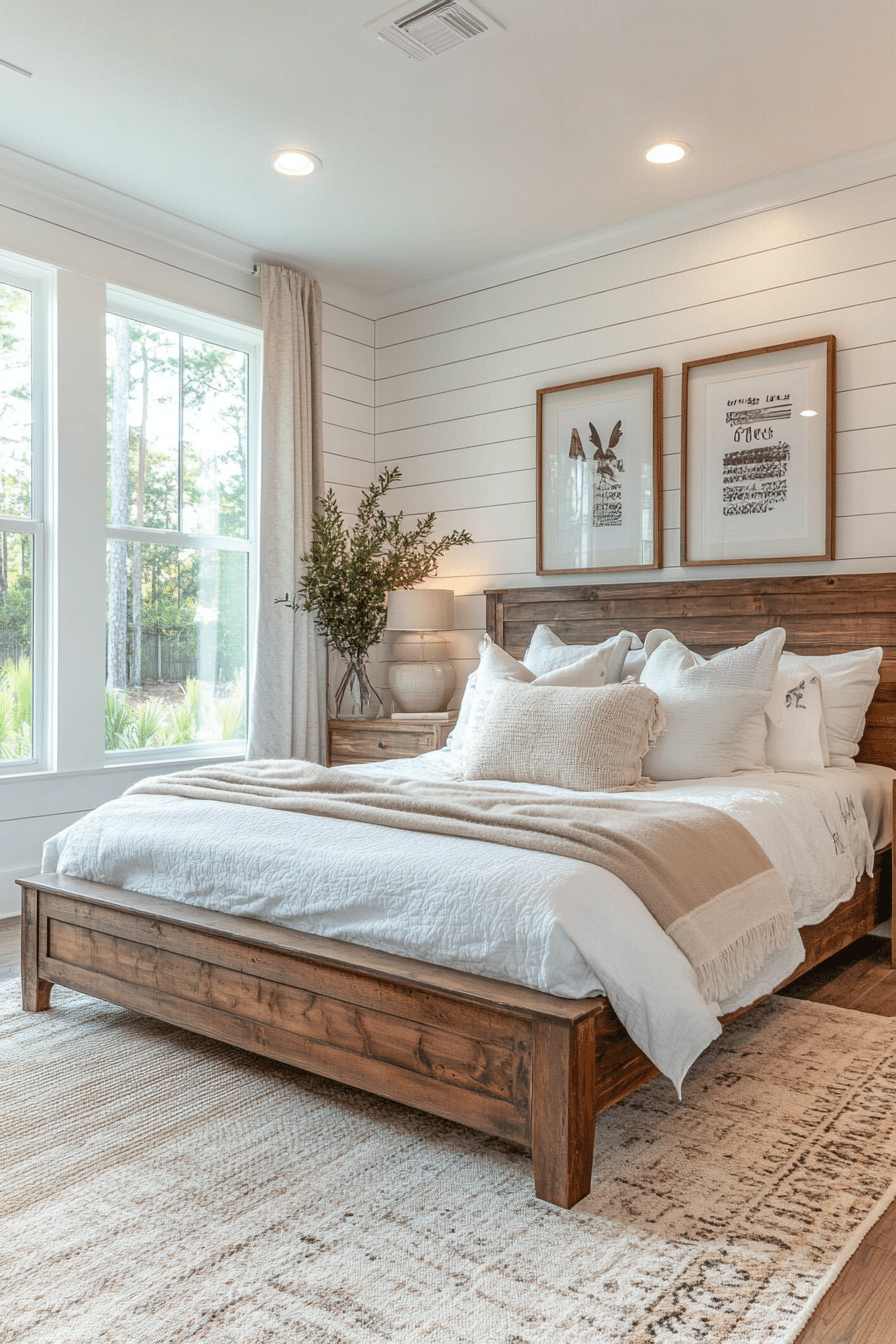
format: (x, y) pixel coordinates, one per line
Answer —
(248, 340)
(40, 281)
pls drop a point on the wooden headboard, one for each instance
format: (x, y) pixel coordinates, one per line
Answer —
(821, 613)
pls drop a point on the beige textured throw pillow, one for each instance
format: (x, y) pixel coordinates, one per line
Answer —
(569, 737)
(496, 665)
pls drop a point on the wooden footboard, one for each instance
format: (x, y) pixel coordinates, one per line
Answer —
(510, 1061)
(513, 1062)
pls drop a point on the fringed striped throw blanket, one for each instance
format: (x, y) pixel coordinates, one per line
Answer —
(700, 873)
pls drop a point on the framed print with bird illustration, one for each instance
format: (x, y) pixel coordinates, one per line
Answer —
(599, 478)
(757, 455)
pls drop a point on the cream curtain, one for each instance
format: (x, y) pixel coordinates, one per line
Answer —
(287, 713)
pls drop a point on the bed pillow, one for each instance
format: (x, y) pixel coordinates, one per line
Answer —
(455, 739)
(848, 682)
(583, 738)
(796, 738)
(547, 652)
(496, 664)
(715, 708)
(636, 658)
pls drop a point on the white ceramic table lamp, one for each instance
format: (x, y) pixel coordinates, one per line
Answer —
(421, 679)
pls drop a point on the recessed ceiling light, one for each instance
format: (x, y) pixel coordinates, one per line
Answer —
(808, 412)
(296, 162)
(667, 151)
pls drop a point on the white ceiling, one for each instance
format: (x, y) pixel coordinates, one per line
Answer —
(502, 146)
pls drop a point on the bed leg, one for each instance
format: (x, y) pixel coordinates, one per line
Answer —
(893, 888)
(35, 991)
(563, 1110)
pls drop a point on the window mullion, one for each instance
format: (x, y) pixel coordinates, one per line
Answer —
(180, 432)
(194, 540)
(10, 524)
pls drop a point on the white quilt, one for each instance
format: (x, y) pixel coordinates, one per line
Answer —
(558, 925)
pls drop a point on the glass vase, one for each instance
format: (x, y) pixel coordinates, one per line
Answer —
(356, 697)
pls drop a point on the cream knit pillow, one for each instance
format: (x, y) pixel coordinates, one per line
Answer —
(497, 665)
(569, 737)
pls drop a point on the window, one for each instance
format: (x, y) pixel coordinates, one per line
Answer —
(180, 401)
(22, 420)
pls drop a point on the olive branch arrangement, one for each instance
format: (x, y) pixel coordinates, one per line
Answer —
(349, 571)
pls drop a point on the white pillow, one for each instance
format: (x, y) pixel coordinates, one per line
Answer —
(636, 659)
(796, 737)
(712, 707)
(584, 738)
(548, 651)
(848, 682)
(455, 739)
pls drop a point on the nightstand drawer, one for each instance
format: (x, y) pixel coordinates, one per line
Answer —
(356, 741)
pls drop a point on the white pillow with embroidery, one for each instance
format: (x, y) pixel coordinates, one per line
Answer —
(848, 683)
(796, 738)
(547, 652)
(715, 708)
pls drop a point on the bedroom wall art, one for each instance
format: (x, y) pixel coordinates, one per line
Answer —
(599, 477)
(757, 455)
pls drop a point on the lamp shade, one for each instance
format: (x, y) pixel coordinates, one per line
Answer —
(420, 609)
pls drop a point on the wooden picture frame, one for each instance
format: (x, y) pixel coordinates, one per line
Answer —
(599, 509)
(757, 455)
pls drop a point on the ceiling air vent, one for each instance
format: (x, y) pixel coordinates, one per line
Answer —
(429, 30)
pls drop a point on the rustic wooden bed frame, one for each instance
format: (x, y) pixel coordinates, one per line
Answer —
(526, 1066)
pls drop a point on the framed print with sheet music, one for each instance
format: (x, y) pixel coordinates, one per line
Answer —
(599, 478)
(757, 455)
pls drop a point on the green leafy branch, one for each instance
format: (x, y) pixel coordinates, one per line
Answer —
(349, 571)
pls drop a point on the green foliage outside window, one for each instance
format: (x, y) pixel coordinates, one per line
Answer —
(177, 462)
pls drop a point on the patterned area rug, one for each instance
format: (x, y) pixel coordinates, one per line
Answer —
(158, 1188)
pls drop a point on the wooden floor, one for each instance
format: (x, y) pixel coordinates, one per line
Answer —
(861, 1306)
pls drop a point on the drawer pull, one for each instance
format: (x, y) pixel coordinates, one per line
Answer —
(381, 745)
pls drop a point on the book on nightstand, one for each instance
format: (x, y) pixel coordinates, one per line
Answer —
(436, 716)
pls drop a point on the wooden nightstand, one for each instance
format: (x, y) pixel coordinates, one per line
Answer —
(355, 741)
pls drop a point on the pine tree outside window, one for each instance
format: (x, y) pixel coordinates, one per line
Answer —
(181, 400)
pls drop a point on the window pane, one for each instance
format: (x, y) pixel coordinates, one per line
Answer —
(15, 646)
(15, 401)
(215, 423)
(176, 645)
(143, 382)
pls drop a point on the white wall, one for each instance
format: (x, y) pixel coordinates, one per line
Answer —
(91, 250)
(458, 365)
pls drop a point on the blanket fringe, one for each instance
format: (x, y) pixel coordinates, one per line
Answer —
(722, 975)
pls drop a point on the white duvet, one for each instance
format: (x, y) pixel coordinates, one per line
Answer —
(558, 925)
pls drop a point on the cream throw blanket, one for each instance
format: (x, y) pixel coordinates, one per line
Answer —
(700, 873)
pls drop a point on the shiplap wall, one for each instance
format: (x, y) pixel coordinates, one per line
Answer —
(456, 377)
(348, 397)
